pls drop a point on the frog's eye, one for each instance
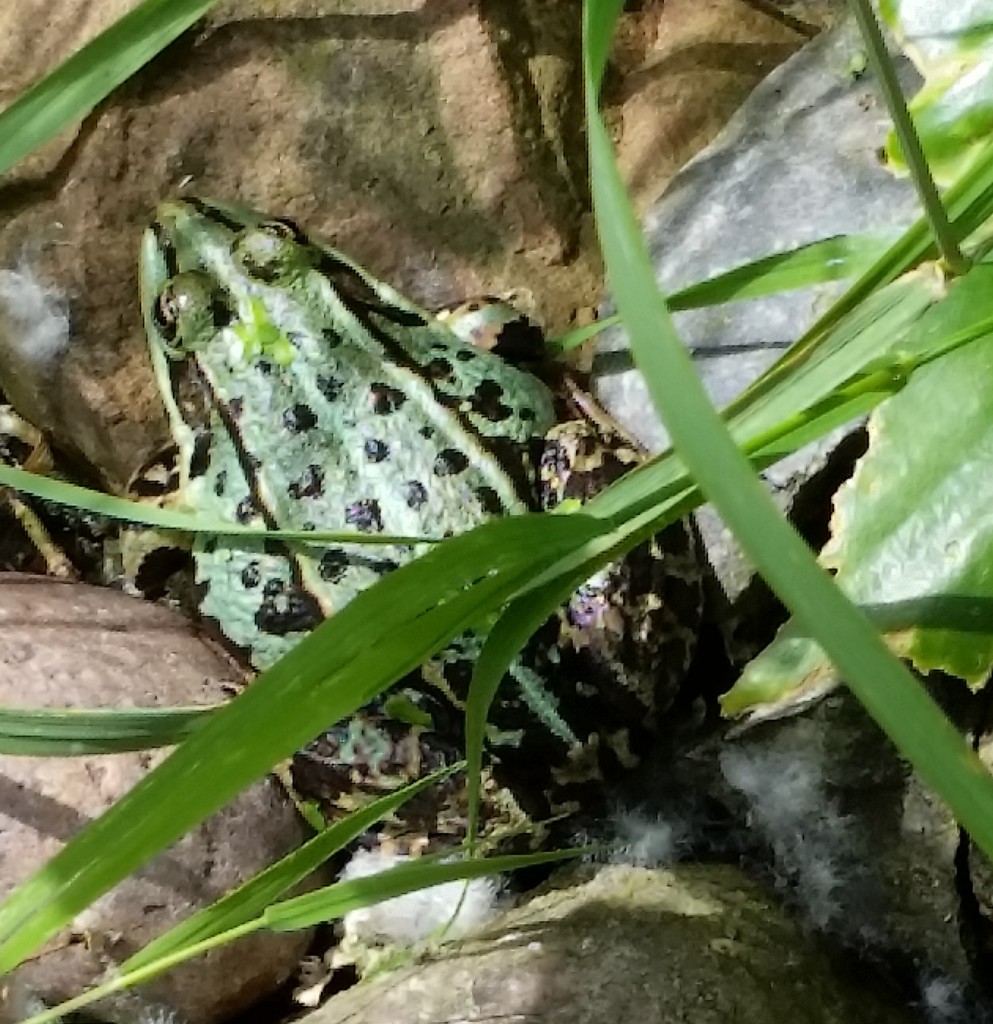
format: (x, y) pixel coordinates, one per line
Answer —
(283, 227)
(273, 251)
(189, 310)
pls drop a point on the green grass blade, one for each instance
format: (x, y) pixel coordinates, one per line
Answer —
(70, 732)
(509, 634)
(828, 259)
(969, 203)
(75, 87)
(890, 693)
(113, 507)
(336, 900)
(313, 908)
(889, 85)
(251, 899)
(383, 633)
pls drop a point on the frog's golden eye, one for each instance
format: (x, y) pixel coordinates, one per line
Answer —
(188, 311)
(273, 251)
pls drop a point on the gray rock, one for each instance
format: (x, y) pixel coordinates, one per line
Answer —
(797, 163)
(827, 809)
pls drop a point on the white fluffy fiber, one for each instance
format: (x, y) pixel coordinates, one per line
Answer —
(790, 807)
(645, 841)
(36, 313)
(407, 919)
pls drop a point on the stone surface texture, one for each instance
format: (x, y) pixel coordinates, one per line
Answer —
(696, 944)
(827, 810)
(68, 645)
(797, 163)
(439, 142)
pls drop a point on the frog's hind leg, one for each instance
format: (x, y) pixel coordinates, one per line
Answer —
(629, 632)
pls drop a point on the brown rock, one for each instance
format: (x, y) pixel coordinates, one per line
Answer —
(440, 143)
(77, 646)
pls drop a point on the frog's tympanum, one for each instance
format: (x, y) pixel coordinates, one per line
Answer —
(304, 394)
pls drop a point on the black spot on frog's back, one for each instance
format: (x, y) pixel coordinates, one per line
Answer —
(299, 418)
(490, 501)
(520, 342)
(376, 450)
(439, 369)
(246, 510)
(310, 483)
(486, 400)
(200, 458)
(415, 493)
(450, 462)
(365, 515)
(330, 387)
(251, 576)
(335, 563)
(286, 608)
(385, 399)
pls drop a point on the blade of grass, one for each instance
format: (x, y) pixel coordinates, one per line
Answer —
(887, 689)
(828, 259)
(382, 634)
(75, 87)
(314, 908)
(969, 203)
(910, 144)
(70, 732)
(519, 620)
(112, 507)
(252, 898)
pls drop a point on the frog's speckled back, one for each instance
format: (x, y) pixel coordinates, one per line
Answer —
(304, 394)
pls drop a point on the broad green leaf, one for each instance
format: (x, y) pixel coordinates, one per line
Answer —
(790, 673)
(77, 85)
(952, 46)
(912, 535)
(69, 732)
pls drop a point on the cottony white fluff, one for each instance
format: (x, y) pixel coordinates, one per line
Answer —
(407, 919)
(943, 1002)
(810, 838)
(36, 313)
(158, 1015)
(645, 842)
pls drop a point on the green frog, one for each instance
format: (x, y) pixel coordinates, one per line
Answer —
(302, 393)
